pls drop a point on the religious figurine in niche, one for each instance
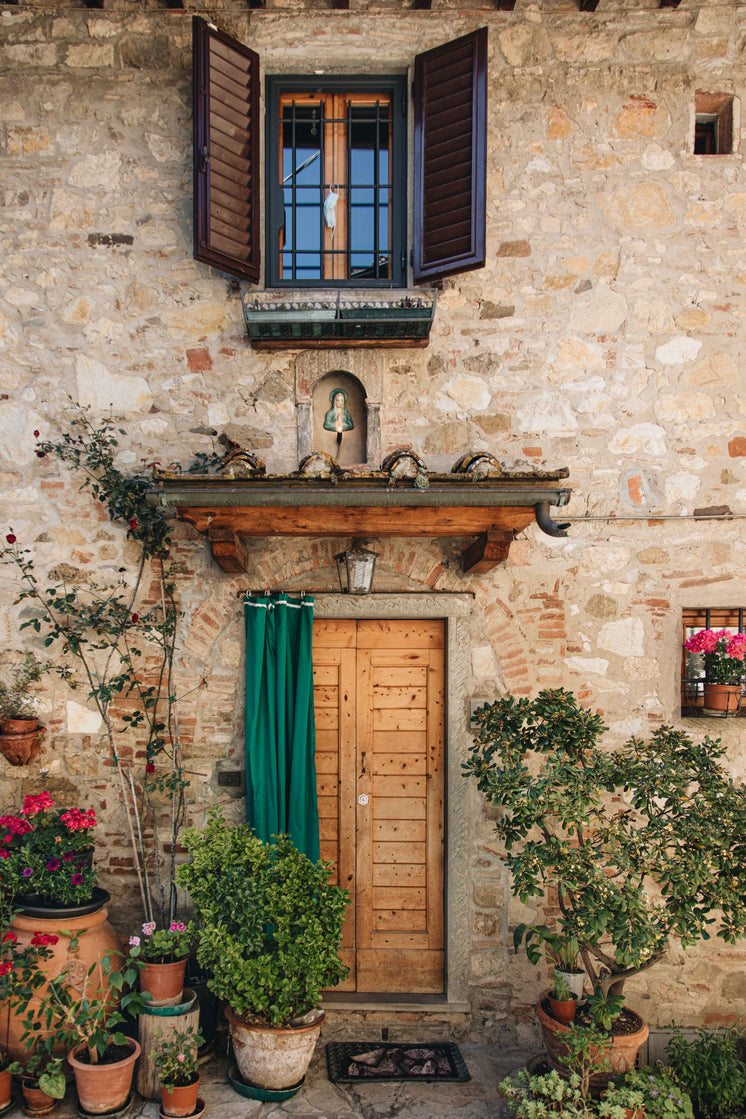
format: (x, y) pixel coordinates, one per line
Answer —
(338, 417)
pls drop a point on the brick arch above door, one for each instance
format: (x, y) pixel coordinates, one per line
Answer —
(456, 610)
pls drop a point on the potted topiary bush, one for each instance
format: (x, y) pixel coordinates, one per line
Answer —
(642, 844)
(270, 928)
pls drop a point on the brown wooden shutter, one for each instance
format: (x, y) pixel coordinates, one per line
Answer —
(226, 152)
(450, 138)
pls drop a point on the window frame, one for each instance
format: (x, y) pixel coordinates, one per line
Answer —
(393, 85)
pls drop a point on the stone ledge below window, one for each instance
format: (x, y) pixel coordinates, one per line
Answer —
(338, 317)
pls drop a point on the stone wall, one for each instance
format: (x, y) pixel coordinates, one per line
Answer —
(605, 333)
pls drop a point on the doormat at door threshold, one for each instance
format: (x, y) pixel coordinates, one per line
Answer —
(350, 1062)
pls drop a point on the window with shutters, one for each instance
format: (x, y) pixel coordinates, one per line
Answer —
(346, 138)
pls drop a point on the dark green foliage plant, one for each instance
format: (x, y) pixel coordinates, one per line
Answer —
(42, 1070)
(644, 844)
(604, 1008)
(269, 921)
(711, 1070)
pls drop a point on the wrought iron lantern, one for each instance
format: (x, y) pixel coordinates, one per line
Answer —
(355, 569)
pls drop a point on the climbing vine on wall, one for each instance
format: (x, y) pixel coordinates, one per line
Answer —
(110, 632)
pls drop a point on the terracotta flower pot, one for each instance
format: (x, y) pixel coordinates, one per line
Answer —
(621, 1054)
(36, 1102)
(96, 939)
(180, 1101)
(20, 748)
(722, 697)
(18, 725)
(563, 1009)
(104, 1087)
(6, 1088)
(165, 982)
(273, 1058)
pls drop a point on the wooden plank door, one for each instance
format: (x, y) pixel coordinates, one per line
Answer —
(379, 698)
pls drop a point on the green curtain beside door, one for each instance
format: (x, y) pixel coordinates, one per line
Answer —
(280, 732)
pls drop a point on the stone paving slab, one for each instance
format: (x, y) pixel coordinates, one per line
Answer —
(320, 1099)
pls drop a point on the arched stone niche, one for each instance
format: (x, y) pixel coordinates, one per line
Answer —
(339, 419)
(359, 374)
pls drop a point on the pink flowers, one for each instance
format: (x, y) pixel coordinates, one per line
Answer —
(34, 804)
(148, 928)
(134, 941)
(77, 819)
(724, 654)
(15, 825)
(177, 926)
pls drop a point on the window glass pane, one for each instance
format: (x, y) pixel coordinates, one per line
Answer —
(301, 145)
(302, 172)
(336, 139)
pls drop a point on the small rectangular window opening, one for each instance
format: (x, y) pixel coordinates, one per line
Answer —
(732, 619)
(713, 123)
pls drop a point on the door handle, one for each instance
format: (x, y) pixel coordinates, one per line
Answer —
(363, 771)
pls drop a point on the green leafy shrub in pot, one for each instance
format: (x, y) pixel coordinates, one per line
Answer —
(17, 699)
(662, 1095)
(42, 1070)
(614, 831)
(544, 1095)
(561, 989)
(81, 1012)
(712, 1072)
(270, 923)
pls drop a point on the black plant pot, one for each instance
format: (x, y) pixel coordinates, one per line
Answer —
(35, 905)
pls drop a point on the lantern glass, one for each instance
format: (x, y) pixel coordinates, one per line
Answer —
(355, 569)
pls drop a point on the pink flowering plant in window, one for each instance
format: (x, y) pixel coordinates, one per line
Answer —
(163, 946)
(723, 654)
(48, 852)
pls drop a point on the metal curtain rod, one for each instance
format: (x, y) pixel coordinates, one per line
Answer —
(341, 594)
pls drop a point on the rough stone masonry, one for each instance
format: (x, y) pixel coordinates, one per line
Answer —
(605, 333)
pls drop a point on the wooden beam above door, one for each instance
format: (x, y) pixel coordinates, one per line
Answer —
(486, 512)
